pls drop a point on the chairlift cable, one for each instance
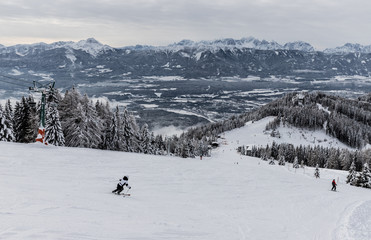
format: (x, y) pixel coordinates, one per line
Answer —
(23, 81)
(16, 79)
(2, 80)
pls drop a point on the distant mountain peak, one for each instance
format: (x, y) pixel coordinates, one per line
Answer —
(299, 45)
(91, 46)
(88, 42)
(91, 41)
(349, 48)
(185, 42)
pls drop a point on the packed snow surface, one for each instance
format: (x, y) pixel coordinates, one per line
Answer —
(65, 193)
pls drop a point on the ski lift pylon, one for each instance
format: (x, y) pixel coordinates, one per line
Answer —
(43, 89)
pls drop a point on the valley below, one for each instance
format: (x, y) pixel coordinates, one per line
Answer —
(171, 104)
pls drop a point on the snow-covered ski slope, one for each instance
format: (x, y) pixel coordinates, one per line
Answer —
(254, 134)
(65, 193)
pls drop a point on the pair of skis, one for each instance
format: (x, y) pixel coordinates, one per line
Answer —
(124, 194)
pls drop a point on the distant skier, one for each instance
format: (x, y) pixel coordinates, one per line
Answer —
(333, 185)
(120, 186)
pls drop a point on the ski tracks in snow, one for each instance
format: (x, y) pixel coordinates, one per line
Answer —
(355, 222)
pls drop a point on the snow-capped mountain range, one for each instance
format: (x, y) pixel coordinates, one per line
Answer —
(91, 61)
(349, 48)
(254, 43)
(90, 45)
(94, 47)
(229, 43)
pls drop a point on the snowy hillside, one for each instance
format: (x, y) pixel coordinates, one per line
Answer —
(65, 193)
(288, 134)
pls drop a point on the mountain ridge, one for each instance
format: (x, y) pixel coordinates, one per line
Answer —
(89, 61)
(90, 45)
(94, 47)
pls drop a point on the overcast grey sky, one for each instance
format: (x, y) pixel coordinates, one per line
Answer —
(323, 23)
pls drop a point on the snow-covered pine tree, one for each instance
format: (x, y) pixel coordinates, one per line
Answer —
(82, 127)
(321, 156)
(53, 129)
(311, 157)
(8, 110)
(274, 150)
(145, 140)
(197, 147)
(3, 127)
(93, 124)
(268, 152)
(53, 96)
(368, 173)
(24, 122)
(171, 144)
(296, 163)
(134, 142)
(352, 174)
(300, 153)
(35, 116)
(357, 158)
(290, 153)
(184, 149)
(159, 145)
(105, 114)
(6, 133)
(177, 147)
(203, 148)
(316, 171)
(192, 146)
(9, 116)
(16, 120)
(333, 160)
(182, 146)
(68, 104)
(364, 178)
(115, 135)
(74, 128)
(281, 160)
(152, 140)
(103, 111)
(130, 133)
(243, 150)
(344, 159)
(70, 116)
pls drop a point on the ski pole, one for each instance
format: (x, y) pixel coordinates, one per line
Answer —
(127, 191)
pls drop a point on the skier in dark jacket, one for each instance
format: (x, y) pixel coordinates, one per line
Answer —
(120, 186)
(333, 185)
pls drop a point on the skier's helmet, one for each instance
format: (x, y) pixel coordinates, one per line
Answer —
(126, 177)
